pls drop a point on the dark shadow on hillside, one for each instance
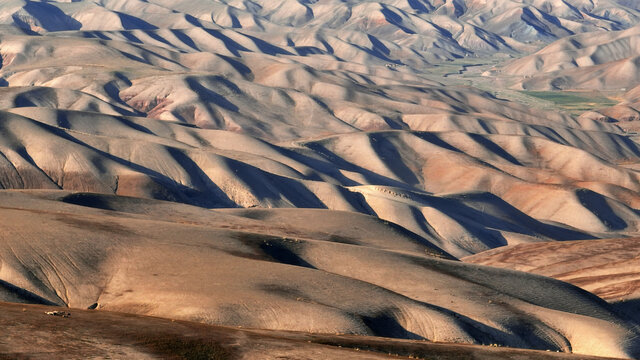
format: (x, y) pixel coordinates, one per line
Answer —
(393, 124)
(282, 254)
(555, 21)
(530, 19)
(46, 96)
(308, 50)
(230, 44)
(535, 289)
(14, 293)
(92, 200)
(95, 35)
(268, 48)
(235, 22)
(265, 186)
(112, 88)
(268, 248)
(478, 224)
(164, 187)
(130, 37)
(185, 39)
(385, 324)
(244, 70)
(388, 152)
(199, 178)
(436, 140)
(334, 162)
(48, 16)
(154, 35)
(395, 19)
(598, 205)
(419, 6)
(131, 22)
(378, 46)
(135, 126)
(505, 216)
(629, 309)
(494, 148)
(208, 96)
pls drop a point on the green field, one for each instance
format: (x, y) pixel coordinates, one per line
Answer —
(574, 102)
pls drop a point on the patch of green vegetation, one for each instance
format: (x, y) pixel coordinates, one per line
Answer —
(574, 102)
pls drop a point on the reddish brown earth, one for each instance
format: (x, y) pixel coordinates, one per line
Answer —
(609, 268)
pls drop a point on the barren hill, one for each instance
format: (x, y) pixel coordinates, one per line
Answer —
(300, 165)
(604, 60)
(106, 334)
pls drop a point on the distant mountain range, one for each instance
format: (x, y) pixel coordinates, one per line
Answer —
(604, 60)
(402, 31)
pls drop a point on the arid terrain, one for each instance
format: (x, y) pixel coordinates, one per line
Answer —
(300, 179)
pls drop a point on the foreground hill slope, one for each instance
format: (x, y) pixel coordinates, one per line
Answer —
(278, 269)
(608, 268)
(108, 334)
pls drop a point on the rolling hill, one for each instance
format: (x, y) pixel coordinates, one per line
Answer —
(302, 169)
